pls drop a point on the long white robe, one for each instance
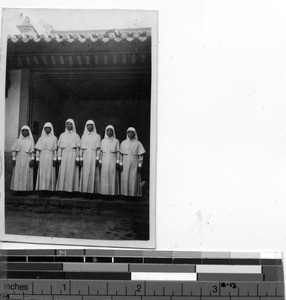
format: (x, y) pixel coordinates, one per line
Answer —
(68, 151)
(46, 153)
(131, 156)
(109, 179)
(22, 176)
(90, 145)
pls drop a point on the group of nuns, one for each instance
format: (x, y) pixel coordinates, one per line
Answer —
(87, 165)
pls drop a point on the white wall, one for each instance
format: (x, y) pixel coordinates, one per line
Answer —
(12, 106)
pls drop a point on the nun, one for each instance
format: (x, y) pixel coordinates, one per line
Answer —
(89, 158)
(23, 161)
(68, 159)
(131, 160)
(46, 158)
(109, 163)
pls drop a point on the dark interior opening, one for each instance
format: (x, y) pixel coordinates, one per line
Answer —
(107, 96)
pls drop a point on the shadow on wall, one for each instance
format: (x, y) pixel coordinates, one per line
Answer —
(8, 170)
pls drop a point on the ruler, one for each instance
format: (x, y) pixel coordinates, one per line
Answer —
(88, 274)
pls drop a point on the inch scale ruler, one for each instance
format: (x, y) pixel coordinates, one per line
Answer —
(139, 275)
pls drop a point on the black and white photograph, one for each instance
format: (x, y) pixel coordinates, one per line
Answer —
(79, 127)
(197, 85)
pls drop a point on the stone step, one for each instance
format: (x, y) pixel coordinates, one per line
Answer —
(137, 206)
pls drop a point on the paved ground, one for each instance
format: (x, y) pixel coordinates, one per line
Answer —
(108, 219)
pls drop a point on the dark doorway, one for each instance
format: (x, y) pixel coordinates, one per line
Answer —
(107, 96)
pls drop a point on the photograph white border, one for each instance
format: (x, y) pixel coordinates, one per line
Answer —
(153, 147)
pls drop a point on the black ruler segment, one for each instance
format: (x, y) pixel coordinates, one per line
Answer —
(79, 259)
(135, 260)
(16, 258)
(158, 260)
(66, 275)
(91, 274)
(35, 274)
(98, 275)
(219, 261)
(191, 261)
(41, 258)
(96, 259)
(34, 266)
